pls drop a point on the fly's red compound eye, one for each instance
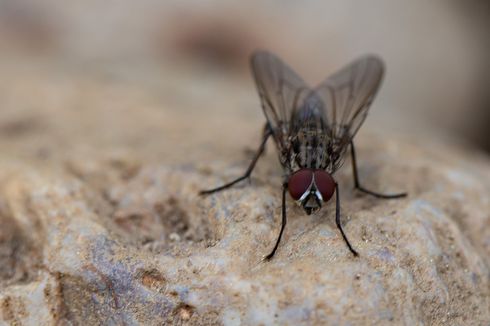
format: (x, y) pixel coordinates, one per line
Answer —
(325, 184)
(299, 182)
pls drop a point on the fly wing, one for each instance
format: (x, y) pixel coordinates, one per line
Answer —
(281, 92)
(347, 95)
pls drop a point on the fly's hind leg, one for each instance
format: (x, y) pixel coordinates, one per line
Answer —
(361, 188)
(267, 134)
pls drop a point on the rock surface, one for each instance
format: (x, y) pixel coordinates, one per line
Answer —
(101, 222)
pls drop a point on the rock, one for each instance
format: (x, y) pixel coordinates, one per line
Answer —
(101, 222)
(146, 249)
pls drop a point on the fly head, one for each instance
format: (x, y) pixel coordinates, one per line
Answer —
(310, 188)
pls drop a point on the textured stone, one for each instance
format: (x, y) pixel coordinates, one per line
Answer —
(145, 249)
(101, 222)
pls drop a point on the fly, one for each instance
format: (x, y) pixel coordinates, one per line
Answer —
(312, 129)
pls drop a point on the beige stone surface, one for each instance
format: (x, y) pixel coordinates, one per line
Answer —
(100, 221)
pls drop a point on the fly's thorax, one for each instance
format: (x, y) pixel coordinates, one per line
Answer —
(309, 149)
(310, 188)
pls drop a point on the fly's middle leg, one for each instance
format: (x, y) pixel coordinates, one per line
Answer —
(267, 134)
(358, 186)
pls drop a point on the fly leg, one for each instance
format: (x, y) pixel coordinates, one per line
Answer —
(361, 188)
(283, 224)
(267, 134)
(337, 220)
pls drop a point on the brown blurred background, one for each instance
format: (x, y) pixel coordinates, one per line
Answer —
(192, 56)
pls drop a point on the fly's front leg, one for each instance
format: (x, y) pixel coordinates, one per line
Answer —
(361, 188)
(337, 220)
(283, 223)
(267, 134)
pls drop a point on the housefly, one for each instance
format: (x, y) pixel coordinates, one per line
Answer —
(312, 129)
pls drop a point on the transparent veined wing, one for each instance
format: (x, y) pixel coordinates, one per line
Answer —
(347, 96)
(281, 91)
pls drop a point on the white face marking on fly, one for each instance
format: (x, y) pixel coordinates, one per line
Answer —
(318, 195)
(308, 191)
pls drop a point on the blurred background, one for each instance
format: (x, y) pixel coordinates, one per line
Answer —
(151, 74)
